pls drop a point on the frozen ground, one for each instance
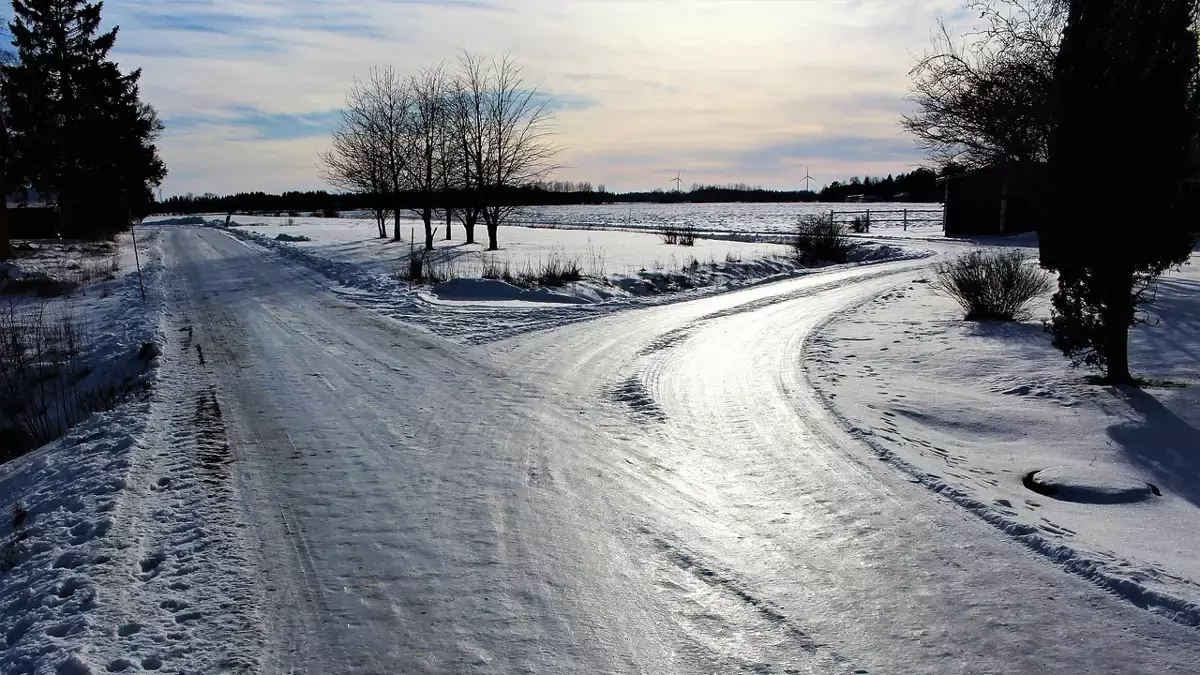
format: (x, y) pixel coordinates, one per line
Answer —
(59, 504)
(120, 544)
(313, 486)
(351, 258)
(652, 491)
(971, 410)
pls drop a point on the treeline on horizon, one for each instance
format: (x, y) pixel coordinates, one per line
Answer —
(919, 185)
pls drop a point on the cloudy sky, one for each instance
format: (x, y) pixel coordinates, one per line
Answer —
(724, 90)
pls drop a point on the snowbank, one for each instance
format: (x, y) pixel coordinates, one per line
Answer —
(178, 220)
(981, 413)
(50, 562)
(58, 503)
(492, 290)
(1090, 485)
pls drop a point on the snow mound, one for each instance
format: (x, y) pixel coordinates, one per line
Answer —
(185, 220)
(1089, 485)
(291, 237)
(494, 290)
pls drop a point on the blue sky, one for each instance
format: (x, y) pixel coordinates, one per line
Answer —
(725, 90)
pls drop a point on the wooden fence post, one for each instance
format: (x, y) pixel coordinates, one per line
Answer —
(868, 221)
(906, 220)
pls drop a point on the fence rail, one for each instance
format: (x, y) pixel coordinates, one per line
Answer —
(906, 217)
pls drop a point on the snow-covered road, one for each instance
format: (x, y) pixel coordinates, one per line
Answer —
(656, 491)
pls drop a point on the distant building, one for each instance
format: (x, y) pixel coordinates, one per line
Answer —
(997, 201)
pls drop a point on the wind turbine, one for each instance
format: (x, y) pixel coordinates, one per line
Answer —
(806, 179)
(678, 181)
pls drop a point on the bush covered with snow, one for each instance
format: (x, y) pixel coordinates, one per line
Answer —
(993, 285)
(820, 240)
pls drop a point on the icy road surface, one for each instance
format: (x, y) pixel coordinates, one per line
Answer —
(657, 491)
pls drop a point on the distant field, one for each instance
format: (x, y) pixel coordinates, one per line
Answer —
(924, 220)
(734, 218)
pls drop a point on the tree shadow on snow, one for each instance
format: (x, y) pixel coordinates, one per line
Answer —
(1028, 240)
(1169, 348)
(1162, 443)
(1021, 334)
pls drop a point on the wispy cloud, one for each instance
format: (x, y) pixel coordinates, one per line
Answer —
(728, 90)
(258, 125)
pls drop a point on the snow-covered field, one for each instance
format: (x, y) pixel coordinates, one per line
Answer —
(620, 270)
(924, 219)
(971, 410)
(598, 253)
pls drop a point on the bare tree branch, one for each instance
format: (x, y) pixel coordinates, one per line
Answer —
(985, 100)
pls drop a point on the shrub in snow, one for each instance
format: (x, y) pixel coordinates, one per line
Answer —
(676, 235)
(36, 283)
(555, 270)
(991, 285)
(820, 240)
(40, 376)
(291, 237)
(424, 268)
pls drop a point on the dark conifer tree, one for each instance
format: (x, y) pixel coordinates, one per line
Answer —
(1124, 84)
(79, 130)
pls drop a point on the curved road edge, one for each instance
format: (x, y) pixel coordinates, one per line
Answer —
(1069, 559)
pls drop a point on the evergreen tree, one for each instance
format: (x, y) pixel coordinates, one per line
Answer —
(1124, 83)
(79, 130)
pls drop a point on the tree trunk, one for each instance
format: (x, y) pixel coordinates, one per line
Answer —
(5, 241)
(469, 226)
(396, 227)
(449, 221)
(492, 228)
(381, 223)
(1118, 316)
(427, 216)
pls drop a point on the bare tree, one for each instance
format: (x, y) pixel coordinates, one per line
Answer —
(425, 134)
(468, 103)
(463, 143)
(506, 136)
(355, 161)
(369, 153)
(392, 103)
(449, 159)
(986, 100)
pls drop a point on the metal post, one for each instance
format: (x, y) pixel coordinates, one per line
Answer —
(136, 259)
